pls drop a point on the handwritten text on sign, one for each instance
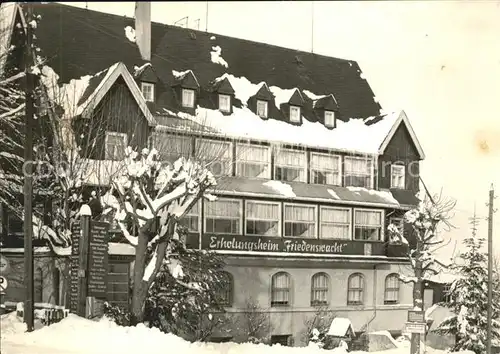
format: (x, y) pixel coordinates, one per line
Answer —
(274, 244)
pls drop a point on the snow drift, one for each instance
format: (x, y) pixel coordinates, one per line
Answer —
(78, 335)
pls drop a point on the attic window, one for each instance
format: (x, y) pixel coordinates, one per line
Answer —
(262, 108)
(330, 119)
(148, 91)
(187, 98)
(225, 103)
(294, 114)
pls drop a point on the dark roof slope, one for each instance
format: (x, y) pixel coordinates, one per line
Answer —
(78, 41)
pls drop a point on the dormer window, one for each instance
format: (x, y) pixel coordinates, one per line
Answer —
(294, 114)
(148, 91)
(262, 108)
(398, 176)
(329, 119)
(187, 98)
(225, 103)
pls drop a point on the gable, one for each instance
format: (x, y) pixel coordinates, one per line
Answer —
(296, 99)
(264, 93)
(188, 81)
(148, 75)
(224, 87)
(401, 144)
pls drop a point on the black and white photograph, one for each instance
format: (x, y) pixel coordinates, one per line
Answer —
(273, 177)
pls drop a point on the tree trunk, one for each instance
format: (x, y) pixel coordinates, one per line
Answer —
(139, 291)
(418, 304)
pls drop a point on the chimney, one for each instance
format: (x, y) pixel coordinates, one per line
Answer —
(143, 28)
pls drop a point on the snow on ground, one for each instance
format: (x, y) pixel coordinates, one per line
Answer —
(76, 335)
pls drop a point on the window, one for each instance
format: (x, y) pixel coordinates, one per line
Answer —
(14, 225)
(118, 284)
(223, 216)
(262, 108)
(225, 103)
(294, 114)
(187, 98)
(319, 289)
(282, 340)
(398, 176)
(300, 221)
(280, 289)
(225, 291)
(262, 218)
(290, 165)
(391, 289)
(191, 220)
(216, 155)
(368, 225)
(172, 147)
(253, 161)
(115, 144)
(148, 91)
(335, 223)
(446, 293)
(330, 119)
(358, 172)
(325, 169)
(356, 285)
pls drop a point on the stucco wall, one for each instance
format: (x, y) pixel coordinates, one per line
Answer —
(46, 277)
(255, 282)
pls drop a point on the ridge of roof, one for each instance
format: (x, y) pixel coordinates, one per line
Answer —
(206, 33)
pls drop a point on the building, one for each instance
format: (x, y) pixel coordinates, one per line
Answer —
(311, 172)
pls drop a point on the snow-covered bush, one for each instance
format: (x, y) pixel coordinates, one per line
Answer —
(468, 299)
(317, 326)
(189, 313)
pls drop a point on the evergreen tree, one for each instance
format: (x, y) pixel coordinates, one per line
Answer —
(468, 300)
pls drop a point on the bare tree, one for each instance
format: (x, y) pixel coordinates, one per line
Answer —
(254, 322)
(317, 326)
(424, 221)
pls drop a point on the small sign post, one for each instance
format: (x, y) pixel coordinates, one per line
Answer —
(416, 327)
(416, 316)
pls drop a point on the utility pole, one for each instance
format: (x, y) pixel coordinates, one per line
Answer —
(490, 268)
(28, 174)
(206, 18)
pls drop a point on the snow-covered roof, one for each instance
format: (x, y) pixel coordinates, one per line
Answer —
(340, 327)
(8, 12)
(366, 136)
(81, 96)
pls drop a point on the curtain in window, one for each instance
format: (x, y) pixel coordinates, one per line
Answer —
(280, 289)
(223, 216)
(355, 292)
(335, 223)
(215, 155)
(171, 147)
(262, 218)
(319, 291)
(324, 162)
(391, 288)
(369, 218)
(290, 158)
(191, 219)
(253, 161)
(300, 221)
(225, 292)
(357, 165)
